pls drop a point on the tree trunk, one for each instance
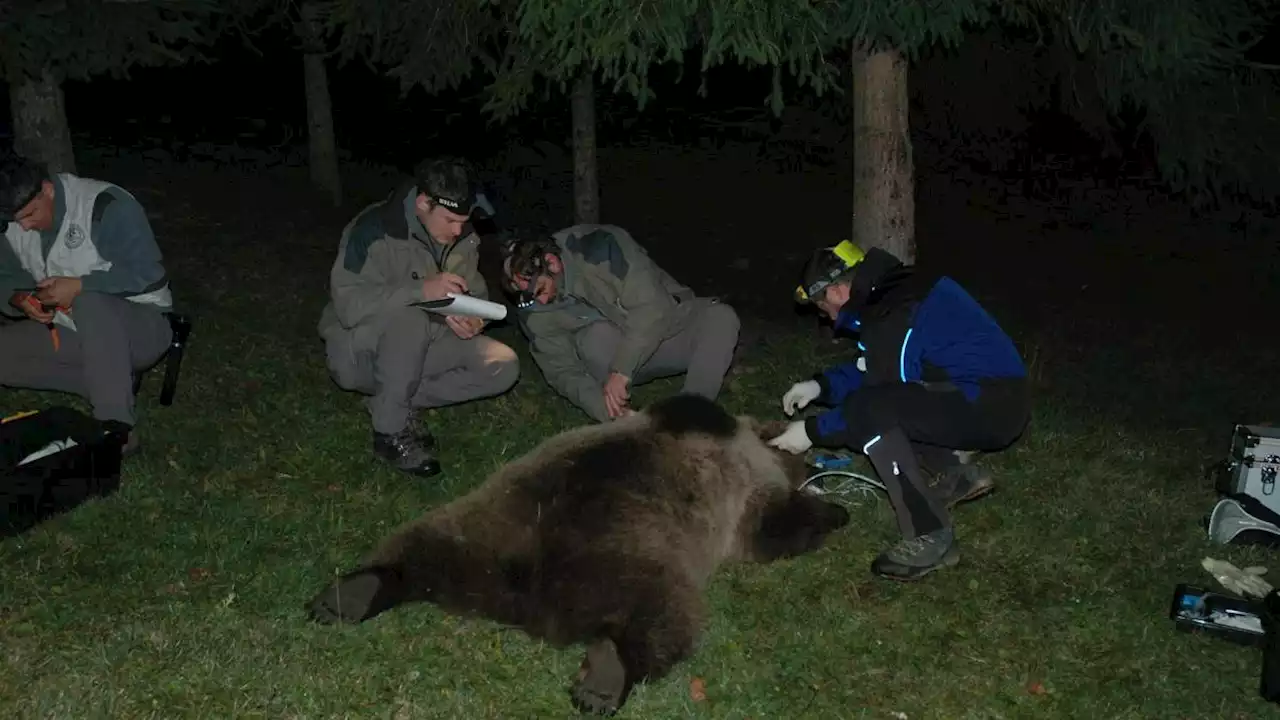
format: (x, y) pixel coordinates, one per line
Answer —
(883, 171)
(586, 183)
(321, 139)
(40, 130)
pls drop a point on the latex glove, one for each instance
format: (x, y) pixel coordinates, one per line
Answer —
(800, 394)
(794, 440)
(1242, 582)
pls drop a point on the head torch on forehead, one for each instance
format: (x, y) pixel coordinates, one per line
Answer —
(526, 261)
(825, 267)
(454, 206)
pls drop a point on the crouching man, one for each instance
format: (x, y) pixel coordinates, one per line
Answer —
(601, 317)
(416, 245)
(935, 374)
(81, 271)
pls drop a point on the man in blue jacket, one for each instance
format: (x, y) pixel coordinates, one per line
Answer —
(935, 374)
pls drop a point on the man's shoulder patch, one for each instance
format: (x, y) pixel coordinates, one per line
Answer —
(599, 247)
(367, 230)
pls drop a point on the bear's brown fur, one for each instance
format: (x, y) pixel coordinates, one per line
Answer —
(604, 535)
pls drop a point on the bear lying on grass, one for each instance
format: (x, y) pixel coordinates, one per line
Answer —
(604, 535)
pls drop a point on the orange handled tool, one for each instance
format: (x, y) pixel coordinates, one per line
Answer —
(53, 329)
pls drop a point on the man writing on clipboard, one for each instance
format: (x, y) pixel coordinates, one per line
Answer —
(416, 245)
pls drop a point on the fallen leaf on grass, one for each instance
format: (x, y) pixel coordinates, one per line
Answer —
(697, 689)
(198, 573)
(1036, 688)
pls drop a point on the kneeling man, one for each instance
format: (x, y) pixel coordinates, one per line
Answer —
(601, 316)
(81, 271)
(414, 246)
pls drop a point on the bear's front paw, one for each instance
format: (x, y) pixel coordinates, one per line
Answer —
(602, 680)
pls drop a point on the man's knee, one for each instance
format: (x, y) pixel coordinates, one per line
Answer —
(720, 321)
(504, 365)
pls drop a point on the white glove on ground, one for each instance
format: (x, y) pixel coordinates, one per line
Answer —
(800, 394)
(1241, 582)
(795, 440)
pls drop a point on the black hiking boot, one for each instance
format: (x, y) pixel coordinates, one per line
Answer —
(962, 483)
(406, 452)
(916, 557)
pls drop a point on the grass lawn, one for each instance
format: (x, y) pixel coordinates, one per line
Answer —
(182, 595)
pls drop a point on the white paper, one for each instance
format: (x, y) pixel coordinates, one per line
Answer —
(53, 447)
(465, 305)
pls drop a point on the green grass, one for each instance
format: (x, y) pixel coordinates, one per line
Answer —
(182, 595)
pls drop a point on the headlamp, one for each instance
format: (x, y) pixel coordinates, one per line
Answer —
(452, 205)
(825, 267)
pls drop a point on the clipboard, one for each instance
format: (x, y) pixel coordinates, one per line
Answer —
(465, 305)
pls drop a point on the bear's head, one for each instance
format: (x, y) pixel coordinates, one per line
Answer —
(794, 465)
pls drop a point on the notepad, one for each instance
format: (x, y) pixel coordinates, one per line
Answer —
(465, 305)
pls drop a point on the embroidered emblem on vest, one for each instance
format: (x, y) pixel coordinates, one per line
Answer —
(75, 237)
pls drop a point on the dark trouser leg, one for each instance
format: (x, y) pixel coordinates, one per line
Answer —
(939, 418)
(456, 370)
(710, 342)
(887, 419)
(703, 351)
(397, 362)
(113, 338)
(917, 510)
(383, 360)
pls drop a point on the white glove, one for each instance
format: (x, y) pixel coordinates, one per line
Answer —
(795, 440)
(1241, 582)
(800, 394)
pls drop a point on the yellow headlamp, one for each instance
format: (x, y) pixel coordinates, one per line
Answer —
(825, 266)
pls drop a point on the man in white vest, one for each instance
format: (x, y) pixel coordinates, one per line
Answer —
(82, 275)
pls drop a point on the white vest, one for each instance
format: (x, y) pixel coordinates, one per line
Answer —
(73, 253)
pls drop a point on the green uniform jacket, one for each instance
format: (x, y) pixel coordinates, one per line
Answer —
(383, 258)
(607, 276)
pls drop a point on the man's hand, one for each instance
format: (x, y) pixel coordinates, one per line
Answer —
(464, 327)
(616, 395)
(58, 291)
(800, 394)
(30, 306)
(795, 440)
(439, 286)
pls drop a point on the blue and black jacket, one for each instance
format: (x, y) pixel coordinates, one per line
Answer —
(912, 327)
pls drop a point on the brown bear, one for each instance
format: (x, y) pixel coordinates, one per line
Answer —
(604, 535)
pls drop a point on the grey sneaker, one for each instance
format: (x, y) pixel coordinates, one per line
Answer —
(962, 483)
(406, 451)
(914, 558)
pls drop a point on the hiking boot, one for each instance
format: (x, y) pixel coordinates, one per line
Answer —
(962, 483)
(914, 558)
(124, 434)
(421, 431)
(406, 452)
